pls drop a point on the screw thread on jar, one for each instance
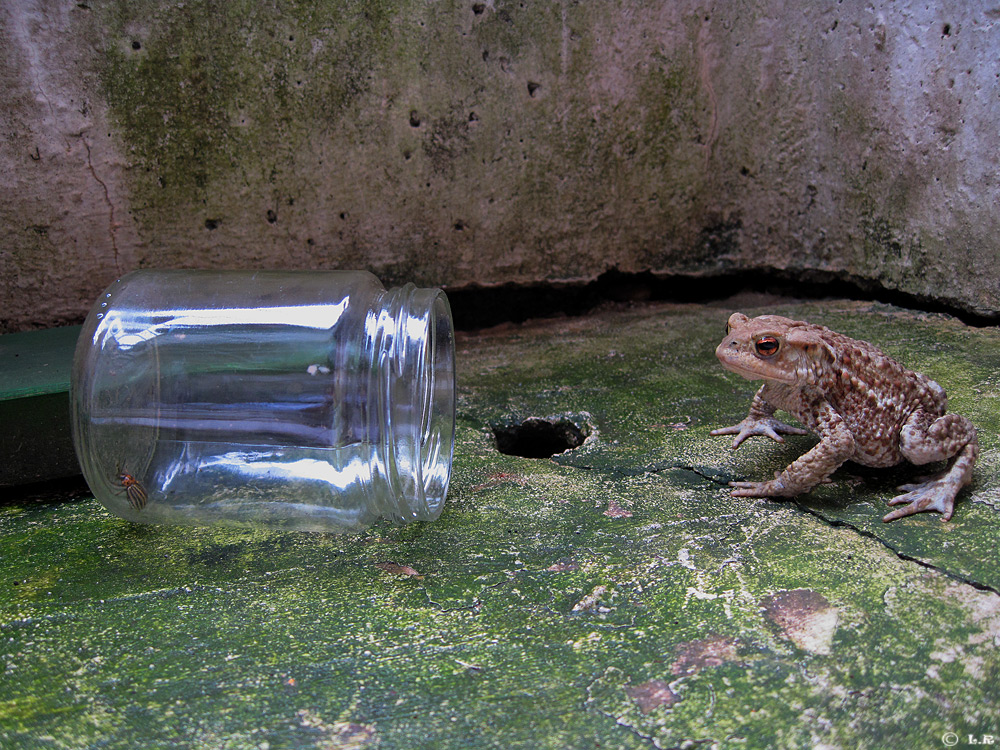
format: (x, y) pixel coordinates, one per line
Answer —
(413, 400)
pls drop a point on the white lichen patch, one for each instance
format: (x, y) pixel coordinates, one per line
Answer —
(338, 735)
(591, 600)
(984, 611)
(988, 493)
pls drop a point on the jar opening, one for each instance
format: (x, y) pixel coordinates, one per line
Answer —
(419, 408)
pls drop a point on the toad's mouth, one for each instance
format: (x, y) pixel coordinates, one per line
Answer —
(753, 373)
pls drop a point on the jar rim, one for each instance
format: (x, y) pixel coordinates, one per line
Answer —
(418, 378)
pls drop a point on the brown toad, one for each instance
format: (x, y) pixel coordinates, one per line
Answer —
(865, 407)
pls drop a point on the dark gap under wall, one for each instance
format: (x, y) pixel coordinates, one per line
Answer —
(478, 307)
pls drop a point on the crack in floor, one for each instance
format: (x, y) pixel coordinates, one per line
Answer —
(657, 468)
(721, 481)
(836, 522)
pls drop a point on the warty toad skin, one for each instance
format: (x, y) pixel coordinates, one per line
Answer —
(865, 406)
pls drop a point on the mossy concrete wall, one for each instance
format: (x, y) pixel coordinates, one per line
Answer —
(454, 143)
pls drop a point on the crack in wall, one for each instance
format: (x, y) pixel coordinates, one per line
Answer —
(112, 224)
(705, 76)
(30, 28)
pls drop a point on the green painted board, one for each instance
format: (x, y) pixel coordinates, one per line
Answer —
(36, 363)
(35, 442)
(615, 596)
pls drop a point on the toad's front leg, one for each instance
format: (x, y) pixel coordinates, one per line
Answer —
(759, 421)
(811, 468)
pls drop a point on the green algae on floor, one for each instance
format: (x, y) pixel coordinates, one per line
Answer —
(614, 595)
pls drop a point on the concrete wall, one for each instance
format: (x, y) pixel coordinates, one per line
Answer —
(452, 143)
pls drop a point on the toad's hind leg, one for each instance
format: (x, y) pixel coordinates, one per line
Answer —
(923, 441)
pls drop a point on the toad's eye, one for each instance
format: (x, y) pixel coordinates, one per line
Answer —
(767, 346)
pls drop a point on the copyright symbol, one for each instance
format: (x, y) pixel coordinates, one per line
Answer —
(950, 739)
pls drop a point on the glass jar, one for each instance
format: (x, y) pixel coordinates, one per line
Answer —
(295, 399)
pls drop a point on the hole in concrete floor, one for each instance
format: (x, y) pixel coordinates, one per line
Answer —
(538, 438)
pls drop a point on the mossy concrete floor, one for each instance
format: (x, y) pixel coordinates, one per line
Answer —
(615, 596)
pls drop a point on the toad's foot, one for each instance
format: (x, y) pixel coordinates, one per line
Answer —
(933, 494)
(768, 426)
(774, 488)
